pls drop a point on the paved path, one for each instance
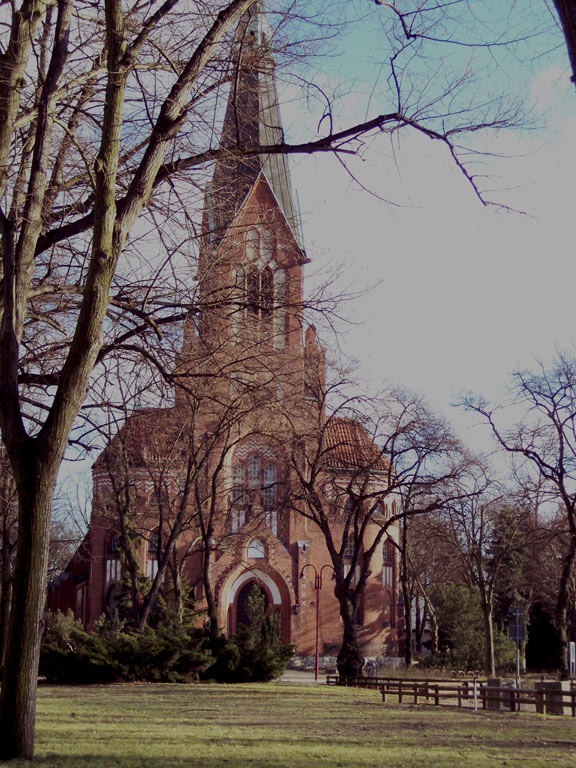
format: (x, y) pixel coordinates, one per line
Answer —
(301, 676)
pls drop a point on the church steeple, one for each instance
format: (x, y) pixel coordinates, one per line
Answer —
(252, 119)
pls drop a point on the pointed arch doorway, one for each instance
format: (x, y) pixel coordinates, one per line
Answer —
(236, 594)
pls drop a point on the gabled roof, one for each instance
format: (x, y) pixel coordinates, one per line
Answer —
(252, 119)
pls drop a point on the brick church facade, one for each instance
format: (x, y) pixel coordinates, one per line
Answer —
(208, 497)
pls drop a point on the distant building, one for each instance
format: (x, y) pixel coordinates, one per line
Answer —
(250, 379)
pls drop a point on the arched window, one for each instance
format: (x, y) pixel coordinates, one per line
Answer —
(114, 544)
(280, 309)
(253, 291)
(238, 481)
(260, 292)
(238, 496)
(252, 244)
(255, 494)
(260, 288)
(270, 480)
(152, 559)
(113, 567)
(153, 542)
(266, 292)
(254, 471)
(388, 553)
(350, 548)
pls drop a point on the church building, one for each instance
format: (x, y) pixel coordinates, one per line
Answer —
(223, 489)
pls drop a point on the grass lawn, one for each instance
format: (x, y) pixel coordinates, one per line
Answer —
(281, 726)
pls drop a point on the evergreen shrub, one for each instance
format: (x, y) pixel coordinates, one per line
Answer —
(256, 654)
(115, 654)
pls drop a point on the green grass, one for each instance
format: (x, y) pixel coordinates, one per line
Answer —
(281, 726)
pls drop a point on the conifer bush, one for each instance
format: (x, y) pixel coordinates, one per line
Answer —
(113, 653)
(256, 654)
(171, 652)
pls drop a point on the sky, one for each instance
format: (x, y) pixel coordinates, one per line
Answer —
(455, 295)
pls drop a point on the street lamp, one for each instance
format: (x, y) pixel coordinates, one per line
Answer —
(317, 587)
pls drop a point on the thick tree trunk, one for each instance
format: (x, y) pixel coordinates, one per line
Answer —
(20, 674)
(5, 598)
(566, 10)
(350, 661)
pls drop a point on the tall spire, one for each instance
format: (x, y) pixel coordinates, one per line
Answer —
(252, 119)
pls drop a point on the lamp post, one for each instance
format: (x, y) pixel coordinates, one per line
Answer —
(317, 587)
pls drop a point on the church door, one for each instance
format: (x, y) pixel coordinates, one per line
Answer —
(242, 606)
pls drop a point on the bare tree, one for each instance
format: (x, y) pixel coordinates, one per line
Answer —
(502, 34)
(471, 526)
(425, 561)
(350, 470)
(107, 116)
(542, 436)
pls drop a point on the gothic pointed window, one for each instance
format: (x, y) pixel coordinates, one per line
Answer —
(280, 309)
(255, 490)
(238, 479)
(252, 244)
(388, 552)
(266, 292)
(113, 566)
(262, 283)
(238, 300)
(152, 560)
(153, 543)
(253, 291)
(350, 548)
(270, 478)
(255, 471)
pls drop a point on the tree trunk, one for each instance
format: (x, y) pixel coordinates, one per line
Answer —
(177, 583)
(408, 655)
(433, 632)
(20, 673)
(5, 599)
(490, 660)
(566, 10)
(212, 608)
(404, 575)
(421, 616)
(350, 661)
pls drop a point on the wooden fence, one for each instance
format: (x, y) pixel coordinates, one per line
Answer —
(547, 697)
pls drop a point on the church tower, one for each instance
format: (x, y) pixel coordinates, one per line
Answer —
(248, 339)
(250, 376)
(250, 272)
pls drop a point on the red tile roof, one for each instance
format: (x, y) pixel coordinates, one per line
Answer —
(349, 446)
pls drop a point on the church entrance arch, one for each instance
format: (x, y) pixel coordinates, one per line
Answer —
(236, 593)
